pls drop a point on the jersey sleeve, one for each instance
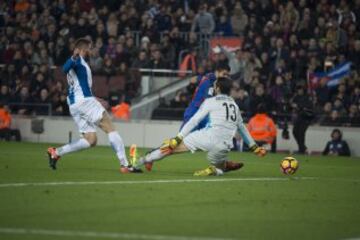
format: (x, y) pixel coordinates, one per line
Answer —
(70, 63)
(204, 89)
(195, 120)
(244, 133)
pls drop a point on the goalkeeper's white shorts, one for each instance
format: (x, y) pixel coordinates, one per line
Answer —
(216, 145)
(87, 114)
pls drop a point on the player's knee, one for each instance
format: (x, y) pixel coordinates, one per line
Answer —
(106, 124)
(92, 139)
(93, 142)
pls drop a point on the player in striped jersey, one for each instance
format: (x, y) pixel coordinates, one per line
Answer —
(86, 110)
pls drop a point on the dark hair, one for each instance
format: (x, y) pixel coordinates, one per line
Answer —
(338, 131)
(225, 84)
(82, 43)
(222, 67)
(261, 108)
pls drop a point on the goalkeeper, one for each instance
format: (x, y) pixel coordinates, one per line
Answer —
(216, 138)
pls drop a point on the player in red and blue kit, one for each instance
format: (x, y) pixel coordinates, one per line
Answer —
(203, 91)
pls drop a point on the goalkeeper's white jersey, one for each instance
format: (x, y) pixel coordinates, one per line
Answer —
(224, 119)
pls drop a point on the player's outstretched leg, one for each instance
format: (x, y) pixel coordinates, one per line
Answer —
(117, 144)
(158, 154)
(82, 143)
(209, 171)
(149, 158)
(232, 166)
(219, 164)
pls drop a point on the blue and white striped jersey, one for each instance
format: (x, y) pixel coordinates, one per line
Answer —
(79, 79)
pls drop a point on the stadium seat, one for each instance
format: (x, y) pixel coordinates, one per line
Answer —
(100, 86)
(117, 83)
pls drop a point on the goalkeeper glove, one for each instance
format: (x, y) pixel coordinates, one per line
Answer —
(170, 144)
(259, 151)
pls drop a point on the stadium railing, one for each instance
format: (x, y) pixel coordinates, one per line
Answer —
(202, 39)
(155, 79)
(157, 85)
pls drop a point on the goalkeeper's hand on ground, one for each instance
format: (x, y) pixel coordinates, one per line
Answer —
(170, 144)
(259, 151)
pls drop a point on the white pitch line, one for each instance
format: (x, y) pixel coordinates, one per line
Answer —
(37, 184)
(91, 234)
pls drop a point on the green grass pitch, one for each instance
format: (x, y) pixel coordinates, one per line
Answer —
(322, 201)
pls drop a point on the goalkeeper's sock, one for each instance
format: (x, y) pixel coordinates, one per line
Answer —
(80, 144)
(152, 156)
(117, 144)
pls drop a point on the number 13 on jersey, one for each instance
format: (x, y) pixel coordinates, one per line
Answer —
(230, 111)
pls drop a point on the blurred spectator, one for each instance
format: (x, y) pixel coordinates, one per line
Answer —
(336, 146)
(21, 6)
(22, 99)
(180, 100)
(261, 127)
(4, 95)
(168, 51)
(120, 55)
(242, 100)
(223, 27)
(108, 69)
(354, 55)
(339, 107)
(260, 97)
(163, 19)
(44, 99)
(194, 81)
(131, 79)
(278, 52)
(236, 62)
(325, 111)
(157, 61)
(239, 19)
(59, 105)
(37, 84)
(303, 115)
(96, 62)
(121, 110)
(204, 21)
(333, 119)
(289, 17)
(355, 97)
(323, 92)
(141, 61)
(353, 119)
(188, 63)
(279, 93)
(5, 125)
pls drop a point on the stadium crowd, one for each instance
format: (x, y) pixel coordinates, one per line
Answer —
(283, 41)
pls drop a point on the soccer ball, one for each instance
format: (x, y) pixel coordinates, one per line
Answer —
(289, 165)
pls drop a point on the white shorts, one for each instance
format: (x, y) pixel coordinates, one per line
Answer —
(216, 145)
(87, 114)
